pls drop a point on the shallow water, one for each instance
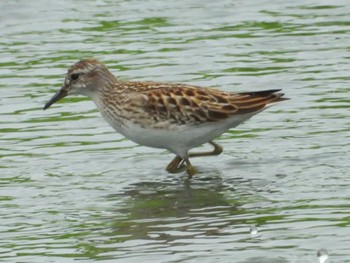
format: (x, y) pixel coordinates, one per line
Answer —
(73, 189)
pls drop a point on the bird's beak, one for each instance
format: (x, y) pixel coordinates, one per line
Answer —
(59, 95)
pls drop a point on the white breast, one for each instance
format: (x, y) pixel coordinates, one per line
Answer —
(177, 138)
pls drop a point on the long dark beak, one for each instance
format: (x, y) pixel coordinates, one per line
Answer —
(59, 95)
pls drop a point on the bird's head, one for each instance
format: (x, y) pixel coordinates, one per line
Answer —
(85, 77)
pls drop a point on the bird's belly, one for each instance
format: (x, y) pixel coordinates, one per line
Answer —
(177, 138)
(151, 137)
(156, 138)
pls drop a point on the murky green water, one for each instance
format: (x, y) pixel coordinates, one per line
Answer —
(73, 189)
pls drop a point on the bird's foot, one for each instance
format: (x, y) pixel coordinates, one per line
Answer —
(191, 171)
(177, 165)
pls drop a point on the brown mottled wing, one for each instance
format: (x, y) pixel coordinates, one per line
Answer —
(182, 103)
(250, 102)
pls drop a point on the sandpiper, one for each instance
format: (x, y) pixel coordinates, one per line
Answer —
(176, 117)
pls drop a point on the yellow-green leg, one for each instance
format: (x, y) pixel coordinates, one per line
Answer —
(217, 150)
(190, 169)
(178, 164)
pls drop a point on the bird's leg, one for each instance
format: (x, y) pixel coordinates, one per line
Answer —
(190, 169)
(177, 165)
(217, 150)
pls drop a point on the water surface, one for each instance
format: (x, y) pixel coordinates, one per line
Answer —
(73, 189)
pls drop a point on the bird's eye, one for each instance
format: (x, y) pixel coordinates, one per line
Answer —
(74, 76)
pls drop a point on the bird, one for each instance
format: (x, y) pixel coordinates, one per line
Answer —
(172, 116)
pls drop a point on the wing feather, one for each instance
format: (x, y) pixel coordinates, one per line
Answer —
(184, 104)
